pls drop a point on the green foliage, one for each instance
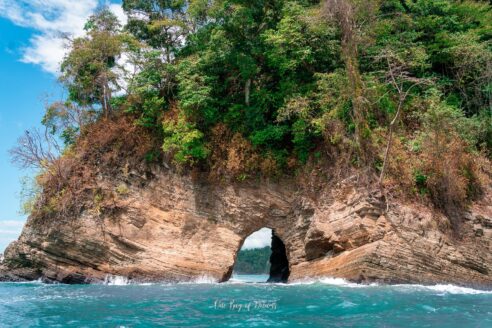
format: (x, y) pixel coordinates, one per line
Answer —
(88, 69)
(451, 40)
(275, 73)
(183, 140)
(151, 88)
(269, 136)
(194, 92)
(421, 182)
(280, 74)
(66, 120)
(294, 43)
(160, 23)
(29, 195)
(253, 261)
(303, 139)
(443, 119)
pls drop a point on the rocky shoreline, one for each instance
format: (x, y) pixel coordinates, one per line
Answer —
(173, 228)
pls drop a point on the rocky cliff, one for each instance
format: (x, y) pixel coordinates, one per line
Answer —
(172, 227)
(113, 213)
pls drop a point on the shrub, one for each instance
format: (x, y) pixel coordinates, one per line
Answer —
(184, 141)
(122, 189)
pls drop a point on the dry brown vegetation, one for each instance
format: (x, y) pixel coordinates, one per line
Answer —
(111, 147)
(445, 175)
(448, 178)
(233, 156)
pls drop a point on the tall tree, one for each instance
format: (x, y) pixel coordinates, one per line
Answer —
(162, 24)
(353, 18)
(88, 69)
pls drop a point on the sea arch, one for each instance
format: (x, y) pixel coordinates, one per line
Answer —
(279, 258)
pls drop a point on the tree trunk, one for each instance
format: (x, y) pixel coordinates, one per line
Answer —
(390, 139)
(247, 91)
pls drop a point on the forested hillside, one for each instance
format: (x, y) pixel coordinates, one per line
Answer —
(398, 89)
(253, 261)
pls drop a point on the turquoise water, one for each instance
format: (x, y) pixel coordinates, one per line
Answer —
(322, 303)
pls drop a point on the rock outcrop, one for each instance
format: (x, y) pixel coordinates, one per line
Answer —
(174, 227)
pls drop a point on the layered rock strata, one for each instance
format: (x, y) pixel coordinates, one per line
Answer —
(175, 228)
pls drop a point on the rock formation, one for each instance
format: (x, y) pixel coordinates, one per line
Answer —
(279, 269)
(173, 227)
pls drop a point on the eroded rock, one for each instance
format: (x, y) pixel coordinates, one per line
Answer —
(175, 228)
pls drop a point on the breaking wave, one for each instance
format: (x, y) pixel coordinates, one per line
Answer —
(203, 280)
(439, 288)
(112, 280)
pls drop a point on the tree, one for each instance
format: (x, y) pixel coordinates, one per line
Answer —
(39, 150)
(88, 69)
(253, 261)
(66, 120)
(151, 89)
(36, 149)
(399, 77)
(353, 18)
(162, 24)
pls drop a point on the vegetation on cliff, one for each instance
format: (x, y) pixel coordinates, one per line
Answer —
(401, 89)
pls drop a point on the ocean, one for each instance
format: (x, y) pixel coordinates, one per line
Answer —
(243, 302)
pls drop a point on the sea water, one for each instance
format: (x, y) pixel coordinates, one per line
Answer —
(245, 301)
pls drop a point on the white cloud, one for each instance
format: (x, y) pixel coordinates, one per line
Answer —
(51, 19)
(10, 227)
(11, 224)
(118, 11)
(258, 239)
(46, 51)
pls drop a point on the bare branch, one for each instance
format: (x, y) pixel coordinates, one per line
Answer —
(35, 149)
(399, 77)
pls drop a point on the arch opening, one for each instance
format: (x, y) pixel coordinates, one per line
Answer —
(262, 258)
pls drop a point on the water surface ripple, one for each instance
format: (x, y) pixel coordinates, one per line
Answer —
(320, 303)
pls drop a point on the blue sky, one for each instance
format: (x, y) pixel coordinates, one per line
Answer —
(22, 89)
(31, 49)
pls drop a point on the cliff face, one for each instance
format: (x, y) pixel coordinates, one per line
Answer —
(172, 227)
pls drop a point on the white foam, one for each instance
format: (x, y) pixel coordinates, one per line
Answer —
(204, 279)
(346, 305)
(440, 288)
(329, 281)
(344, 283)
(448, 289)
(429, 308)
(112, 280)
(235, 281)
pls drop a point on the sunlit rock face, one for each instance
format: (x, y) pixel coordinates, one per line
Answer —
(175, 228)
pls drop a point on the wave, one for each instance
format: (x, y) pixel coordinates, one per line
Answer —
(439, 288)
(32, 282)
(340, 282)
(202, 280)
(112, 280)
(447, 289)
